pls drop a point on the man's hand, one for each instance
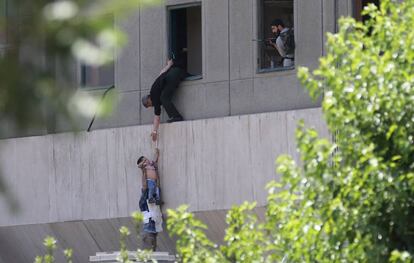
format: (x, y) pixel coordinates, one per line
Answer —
(154, 133)
(154, 136)
(270, 43)
(170, 62)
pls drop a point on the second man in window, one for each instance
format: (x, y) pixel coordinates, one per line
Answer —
(284, 42)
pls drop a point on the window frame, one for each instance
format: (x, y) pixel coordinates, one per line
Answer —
(81, 69)
(358, 8)
(4, 16)
(259, 34)
(170, 8)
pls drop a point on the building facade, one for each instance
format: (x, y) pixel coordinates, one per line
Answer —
(240, 105)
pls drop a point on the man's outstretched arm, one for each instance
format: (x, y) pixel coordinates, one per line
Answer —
(156, 125)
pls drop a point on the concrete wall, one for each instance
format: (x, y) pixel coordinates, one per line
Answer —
(21, 244)
(230, 83)
(209, 164)
(80, 188)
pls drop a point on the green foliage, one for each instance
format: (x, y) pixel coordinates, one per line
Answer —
(44, 39)
(141, 255)
(68, 255)
(192, 245)
(145, 256)
(400, 257)
(123, 256)
(137, 219)
(50, 245)
(351, 200)
(364, 198)
(245, 240)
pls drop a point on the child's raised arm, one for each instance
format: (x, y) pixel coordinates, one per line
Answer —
(157, 155)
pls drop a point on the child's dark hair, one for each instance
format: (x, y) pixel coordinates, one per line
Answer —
(140, 159)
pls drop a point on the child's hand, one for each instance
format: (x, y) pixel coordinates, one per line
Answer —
(154, 136)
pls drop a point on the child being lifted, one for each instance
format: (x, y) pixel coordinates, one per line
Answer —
(150, 178)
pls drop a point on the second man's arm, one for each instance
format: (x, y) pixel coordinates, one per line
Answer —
(167, 67)
(156, 125)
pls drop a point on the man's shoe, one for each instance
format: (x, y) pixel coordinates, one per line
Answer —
(175, 119)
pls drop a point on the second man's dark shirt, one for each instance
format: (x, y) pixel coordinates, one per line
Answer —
(158, 85)
(155, 93)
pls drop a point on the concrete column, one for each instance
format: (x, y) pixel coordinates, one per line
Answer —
(309, 32)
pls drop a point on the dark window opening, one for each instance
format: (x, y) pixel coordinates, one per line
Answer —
(102, 76)
(359, 7)
(3, 24)
(185, 39)
(98, 76)
(271, 57)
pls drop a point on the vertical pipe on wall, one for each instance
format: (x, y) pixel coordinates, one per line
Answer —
(140, 65)
(228, 51)
(324, 17)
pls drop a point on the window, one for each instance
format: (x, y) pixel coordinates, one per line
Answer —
(97, 77)
(3, 26)
(360, 5)
(274, 53)
(185, 38)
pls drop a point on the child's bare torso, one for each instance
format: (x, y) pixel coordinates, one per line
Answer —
(151, 171)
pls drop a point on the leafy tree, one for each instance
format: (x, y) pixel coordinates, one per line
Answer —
(350, 200)
(43, 40)
(50, 245)
(192, 244)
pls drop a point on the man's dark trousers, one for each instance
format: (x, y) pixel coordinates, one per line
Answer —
(171, 82)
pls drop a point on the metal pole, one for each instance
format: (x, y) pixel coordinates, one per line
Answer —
(94, 116)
